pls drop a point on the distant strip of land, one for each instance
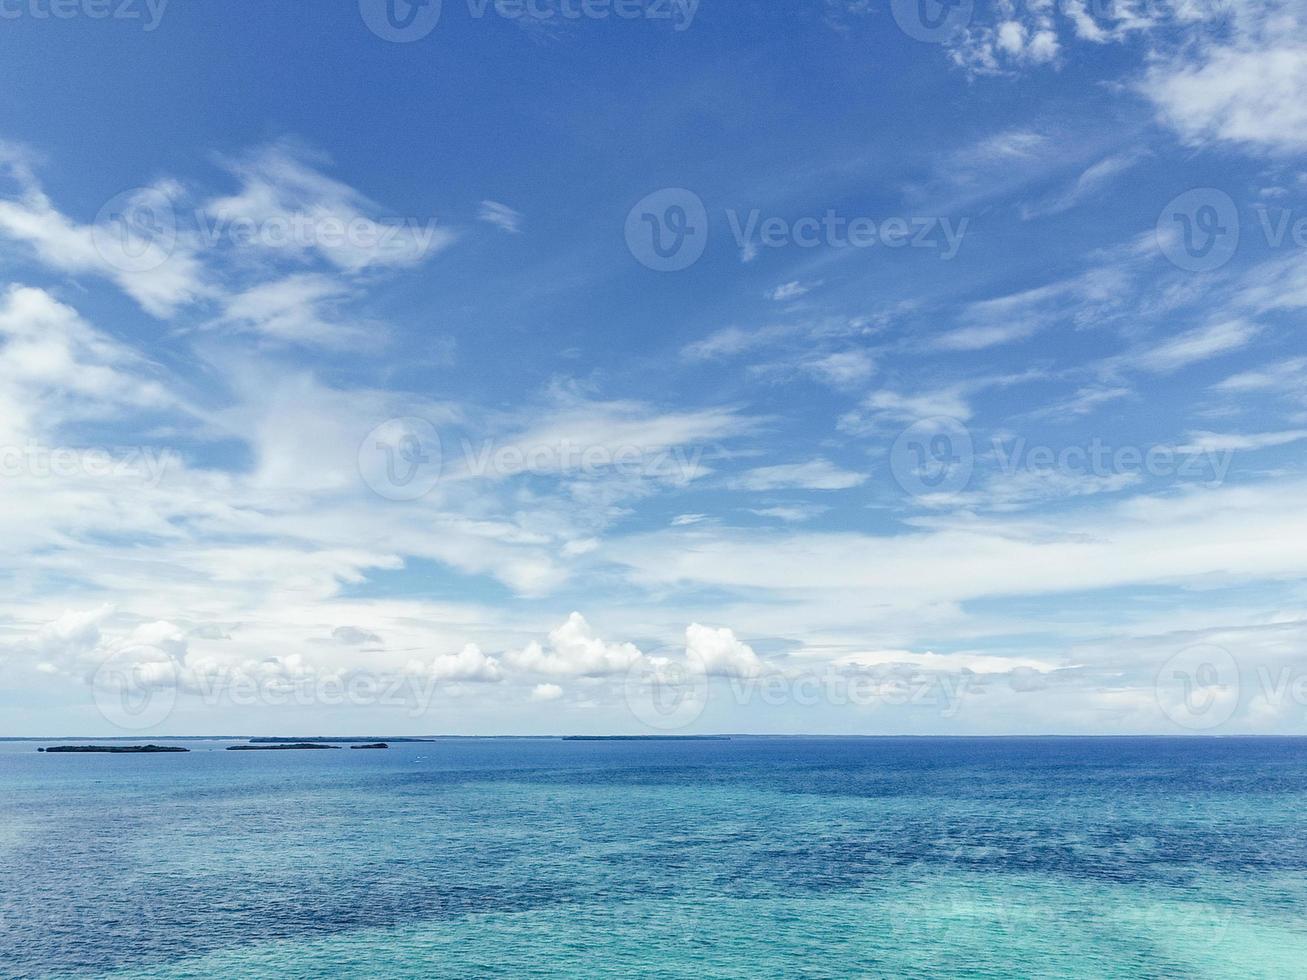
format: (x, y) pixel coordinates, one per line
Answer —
(114, 749)
(338, 741)
(293, 747)
(646, 738)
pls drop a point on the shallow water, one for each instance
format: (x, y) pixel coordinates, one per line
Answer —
(753, 857)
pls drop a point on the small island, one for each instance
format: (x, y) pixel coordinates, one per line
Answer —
(374, 745)
(114, 749)
(293, 747)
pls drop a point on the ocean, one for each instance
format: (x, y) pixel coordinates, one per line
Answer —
(753, 857)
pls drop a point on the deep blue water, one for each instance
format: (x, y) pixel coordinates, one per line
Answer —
(747, 858)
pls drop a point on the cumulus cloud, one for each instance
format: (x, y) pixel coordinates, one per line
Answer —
(573, 650)
(73, 636)
(469, 664)
(1243, 86)
(720, 652)
(1022, 33)
(77, 645)
(1232, 73)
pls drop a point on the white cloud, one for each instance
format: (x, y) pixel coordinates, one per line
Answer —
(790, 291)
(791, 513)
(816, 474)
(892, 406)
(300, 309)
(1023, 489)
(976, 663)
(979, 338)
(574, 435)
(544, 693)
(295, 210)
(1086, 298)
(73, 636)
(469, 664)
(1286, 376)
(731, 342)
(354, 636)
(574, 651)
(55, 367)
(843, 368)
(1083, 402)
(1251, 92)
(689, 520)
(1194, 346)
(1024, 33)
(1227, 534)
(1012, 144)
(501, 216)
(1218, 71)
(720, 652)
(137, 244)
(1227, 442)
(1086, 186)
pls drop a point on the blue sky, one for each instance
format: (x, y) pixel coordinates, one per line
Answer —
(645, 366)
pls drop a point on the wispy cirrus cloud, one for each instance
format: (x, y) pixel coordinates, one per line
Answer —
(501, 216)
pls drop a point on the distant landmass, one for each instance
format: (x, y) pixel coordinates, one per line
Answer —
(646, 738)
(375, 745)
(114, 749)
(338, 741)
(292, 747)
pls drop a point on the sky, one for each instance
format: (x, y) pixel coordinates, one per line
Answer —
(653, 366)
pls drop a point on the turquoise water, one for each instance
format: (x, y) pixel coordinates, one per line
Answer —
(747, 858)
